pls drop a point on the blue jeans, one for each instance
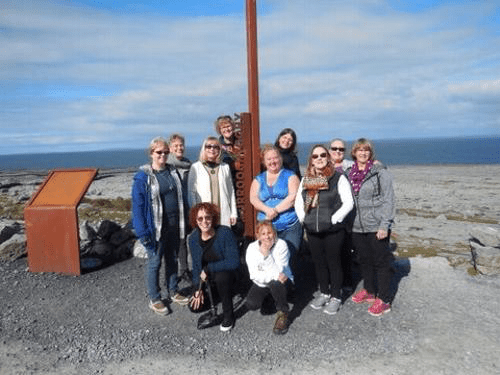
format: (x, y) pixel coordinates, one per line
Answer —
(166, 248)
(293, 237)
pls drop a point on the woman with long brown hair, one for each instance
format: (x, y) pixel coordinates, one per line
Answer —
(323, 202)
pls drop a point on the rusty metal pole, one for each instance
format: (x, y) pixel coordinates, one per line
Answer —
(253, 79)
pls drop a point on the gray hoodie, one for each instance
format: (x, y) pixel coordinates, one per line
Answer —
(375, 207)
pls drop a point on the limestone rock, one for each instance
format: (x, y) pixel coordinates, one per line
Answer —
(486, 236)
(14, 247)
(8, 230)
(486, 259)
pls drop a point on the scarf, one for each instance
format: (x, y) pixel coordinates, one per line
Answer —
(356, 176)
(312, 186)
(182, 165)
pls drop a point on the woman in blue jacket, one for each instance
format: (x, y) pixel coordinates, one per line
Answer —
(158, 220)
(215, 256)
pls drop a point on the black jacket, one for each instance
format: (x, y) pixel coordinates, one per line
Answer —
(319, 218)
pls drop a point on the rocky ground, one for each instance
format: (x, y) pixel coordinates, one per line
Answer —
(443, 320)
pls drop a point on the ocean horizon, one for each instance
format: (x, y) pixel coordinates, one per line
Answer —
(394, 152)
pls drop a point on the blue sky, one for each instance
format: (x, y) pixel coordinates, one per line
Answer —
(91, 75)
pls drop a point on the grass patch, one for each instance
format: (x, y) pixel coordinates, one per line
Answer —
(413, 251)
(473, 219)
(432, 215)
(96, 210)
(11, 209)
(471, 271)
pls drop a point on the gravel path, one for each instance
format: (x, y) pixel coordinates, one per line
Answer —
(442, 322)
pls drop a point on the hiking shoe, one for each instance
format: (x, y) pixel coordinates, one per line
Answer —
(158, 307)
(281, 323)
(379, 308)
(226, 325)
(180, 299)
(332, 306)
(363, 297)
(320, 301)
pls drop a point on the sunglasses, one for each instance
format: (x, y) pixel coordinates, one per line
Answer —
(322, 155)
(341, 149)
(200, 219)
(212, 147)
(161, 152)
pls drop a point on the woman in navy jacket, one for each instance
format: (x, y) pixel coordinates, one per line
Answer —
(215, 256)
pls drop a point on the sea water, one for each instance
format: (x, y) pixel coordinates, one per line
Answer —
(480, 150)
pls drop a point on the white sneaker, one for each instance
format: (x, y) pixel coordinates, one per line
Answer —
(332, 306)
(158, 307)
(320, 301)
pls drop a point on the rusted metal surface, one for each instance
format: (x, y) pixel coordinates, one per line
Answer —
(245, 171)
(51, 221)
(253, 68)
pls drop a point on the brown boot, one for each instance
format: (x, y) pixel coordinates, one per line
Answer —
(281, 323)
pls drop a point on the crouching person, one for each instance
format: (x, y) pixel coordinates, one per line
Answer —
(267, 261)
(215, 258)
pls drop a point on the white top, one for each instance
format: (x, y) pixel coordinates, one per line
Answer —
(262, 269)
(199, 190)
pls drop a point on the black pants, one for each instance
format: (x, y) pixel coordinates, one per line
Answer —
(375, 259)
(347, 261)
(256, 296)
(224, 282)
(326, 252)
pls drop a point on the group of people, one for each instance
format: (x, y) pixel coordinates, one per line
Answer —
(183, 214)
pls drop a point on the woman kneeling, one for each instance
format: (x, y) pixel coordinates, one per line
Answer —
(215, 256)
(267, 261)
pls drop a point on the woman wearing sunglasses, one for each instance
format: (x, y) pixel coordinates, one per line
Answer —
(323, 202)
(337, 153)
(158, 220)
(215, 258)
(210, 180)
(375, 210)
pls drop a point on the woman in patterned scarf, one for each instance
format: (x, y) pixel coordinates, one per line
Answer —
(323, 202)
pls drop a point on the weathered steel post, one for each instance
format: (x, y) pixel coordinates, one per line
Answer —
(253, 102)
(253, 67)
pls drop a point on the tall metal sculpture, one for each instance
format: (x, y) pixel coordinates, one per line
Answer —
(247, 131)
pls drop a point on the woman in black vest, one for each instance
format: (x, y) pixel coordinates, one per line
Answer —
(323, 202)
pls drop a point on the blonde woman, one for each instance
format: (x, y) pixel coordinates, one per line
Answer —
(210, 180)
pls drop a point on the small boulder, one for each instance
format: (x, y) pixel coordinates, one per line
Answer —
(7, 231)
(486, 236)
(14, 248)
(486, 259)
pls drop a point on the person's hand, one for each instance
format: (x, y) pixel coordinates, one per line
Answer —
(233, 221)
(265, 247)
(197, 299)
(148, 243)
(381, 234)
(203, 276)
(271, 213)
(282, 278)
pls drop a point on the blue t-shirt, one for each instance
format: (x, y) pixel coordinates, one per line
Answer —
(273, 195)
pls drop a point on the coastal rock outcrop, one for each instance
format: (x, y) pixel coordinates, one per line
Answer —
(485, 249)
(12, 240)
